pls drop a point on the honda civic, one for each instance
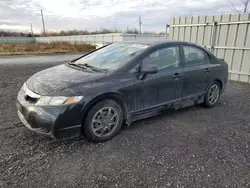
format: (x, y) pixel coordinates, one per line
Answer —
(118, 84)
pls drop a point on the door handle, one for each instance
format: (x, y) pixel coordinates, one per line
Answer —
(176, 75)
(207, 70)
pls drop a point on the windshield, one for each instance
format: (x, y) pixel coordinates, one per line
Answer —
(112, 56)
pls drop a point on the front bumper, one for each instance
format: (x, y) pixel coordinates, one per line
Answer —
(37, 130)
(59, 122)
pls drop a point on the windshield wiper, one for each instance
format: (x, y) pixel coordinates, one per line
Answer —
(76, 65)
(92, 67)
(86, 66)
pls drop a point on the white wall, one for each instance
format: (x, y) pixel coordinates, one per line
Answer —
(143, 37)
(101, 38)
(229, 39)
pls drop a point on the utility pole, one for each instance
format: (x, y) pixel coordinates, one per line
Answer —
(43, 23)
(140, 23)
(31, 29)
(166, 33)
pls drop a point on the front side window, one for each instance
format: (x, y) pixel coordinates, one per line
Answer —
(194, 56)
(164, 58)
(112, 56)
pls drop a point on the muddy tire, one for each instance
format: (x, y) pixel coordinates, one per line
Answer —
(103, 121)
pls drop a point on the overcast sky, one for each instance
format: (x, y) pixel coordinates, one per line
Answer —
(96, 14)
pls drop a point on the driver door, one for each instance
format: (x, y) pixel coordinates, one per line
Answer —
(164, 88)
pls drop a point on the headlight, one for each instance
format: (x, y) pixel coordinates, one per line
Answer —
(53, 101)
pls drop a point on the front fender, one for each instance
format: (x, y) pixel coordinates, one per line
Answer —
(116, 96)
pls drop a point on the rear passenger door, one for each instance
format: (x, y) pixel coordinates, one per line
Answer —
(196, 63)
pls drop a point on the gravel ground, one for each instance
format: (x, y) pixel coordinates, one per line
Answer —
(192, 147)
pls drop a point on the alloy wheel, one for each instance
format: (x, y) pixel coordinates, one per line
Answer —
(213, 94)
(105, 121)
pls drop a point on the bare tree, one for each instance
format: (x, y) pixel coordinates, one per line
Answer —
(245, 3)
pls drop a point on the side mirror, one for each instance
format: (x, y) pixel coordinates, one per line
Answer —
(148, 69)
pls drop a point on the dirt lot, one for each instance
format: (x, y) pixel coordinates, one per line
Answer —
(43, 48)
(193, 147)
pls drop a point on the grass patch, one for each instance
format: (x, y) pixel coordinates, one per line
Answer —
(43, 48)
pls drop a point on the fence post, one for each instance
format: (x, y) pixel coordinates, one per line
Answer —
(212, 37)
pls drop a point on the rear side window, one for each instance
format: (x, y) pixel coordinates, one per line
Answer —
(194, 56)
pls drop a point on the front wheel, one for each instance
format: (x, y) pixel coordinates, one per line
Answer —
(103, 121)
(212, 96)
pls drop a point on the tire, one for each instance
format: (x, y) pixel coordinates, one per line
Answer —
(209, 100)
(101, 119)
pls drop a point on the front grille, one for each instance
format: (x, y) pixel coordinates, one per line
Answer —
(30, 99)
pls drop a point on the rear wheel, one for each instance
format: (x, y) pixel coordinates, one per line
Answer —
(212, 96)
(103, 121)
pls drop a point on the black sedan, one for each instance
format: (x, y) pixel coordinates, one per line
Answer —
(97, 93)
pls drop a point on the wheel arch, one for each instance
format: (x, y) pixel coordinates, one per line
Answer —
(220, 82)
(117, 97)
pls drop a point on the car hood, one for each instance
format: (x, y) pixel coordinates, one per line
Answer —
(53, 81)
